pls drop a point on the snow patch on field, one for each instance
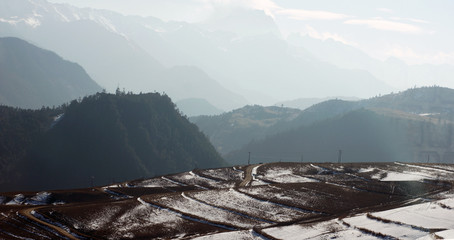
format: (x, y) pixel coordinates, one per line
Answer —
(191, 178)
(17, 200)
(40, 198)
(282, 175)
(141, 217)
(172, 181)
(402, 176)
(155, 183)
(99, 219)
(447, 234)
(430, 169)
(204, 211)
(426, 215)
(324, 230)
(240, 235)
(449, 202)
(444, 166)
(389, 229)
(226, 174)
(365, 170)
(241, 202)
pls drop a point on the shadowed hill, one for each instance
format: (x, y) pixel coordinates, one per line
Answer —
(31, 77)
(427, 104)
(362, 135)
(109, 137)
(229, 131)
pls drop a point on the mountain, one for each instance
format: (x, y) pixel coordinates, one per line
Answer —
(303, 103)
(361, 136)
(255, 63)
(425, 100)
(31, 77)
(184, 82)
(230, 131)
(192, 107)
(242, 22)
(127, 51)
(110, 47)
(393, 71)
(101, 138)
(407, 126)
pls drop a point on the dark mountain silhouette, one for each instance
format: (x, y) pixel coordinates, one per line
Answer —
(103, 138)
(31, 77)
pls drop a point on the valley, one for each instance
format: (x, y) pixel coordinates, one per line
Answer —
(228, 119)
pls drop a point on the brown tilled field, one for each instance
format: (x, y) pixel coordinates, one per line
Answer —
(264, 201)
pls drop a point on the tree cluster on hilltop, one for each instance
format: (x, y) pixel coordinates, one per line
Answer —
(105, 138)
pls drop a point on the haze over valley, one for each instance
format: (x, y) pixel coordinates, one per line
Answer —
(239, 54)
(226, 119)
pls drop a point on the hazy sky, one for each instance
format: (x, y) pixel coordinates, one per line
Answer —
(416, 31)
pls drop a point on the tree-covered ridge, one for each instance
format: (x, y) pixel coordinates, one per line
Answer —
(111, 137)
(229, 131)
(19, 129)
(233, 130)
(361, 135)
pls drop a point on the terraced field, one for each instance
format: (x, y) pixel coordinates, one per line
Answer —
(265, 201)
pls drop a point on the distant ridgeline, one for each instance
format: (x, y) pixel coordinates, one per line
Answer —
(100, 139)
(31, 77)
(414, 125)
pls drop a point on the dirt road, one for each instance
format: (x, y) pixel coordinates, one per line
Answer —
(248, 175)
(28, 213)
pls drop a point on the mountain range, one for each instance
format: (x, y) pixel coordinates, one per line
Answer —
(232, 130)
(414, 125)
(393, 71)
(403, 126)
(143, 54)
(31, 77)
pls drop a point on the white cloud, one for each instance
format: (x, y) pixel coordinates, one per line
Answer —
(300, 14)
(311, 32)
(412, 57)
(386, 25)
(272, 9)
(409, 19)
(386, 10)
(267, 6)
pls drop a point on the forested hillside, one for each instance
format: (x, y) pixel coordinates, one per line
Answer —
(357, 136)
(428, 105)
(230, 131)
(100, 139)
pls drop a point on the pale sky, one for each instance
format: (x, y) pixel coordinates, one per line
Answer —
(416, 31)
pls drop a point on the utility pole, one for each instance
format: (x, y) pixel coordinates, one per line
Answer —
(249, 159)
(339, 158)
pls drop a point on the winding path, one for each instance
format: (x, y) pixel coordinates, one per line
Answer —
(248, 175)
(28, 213)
